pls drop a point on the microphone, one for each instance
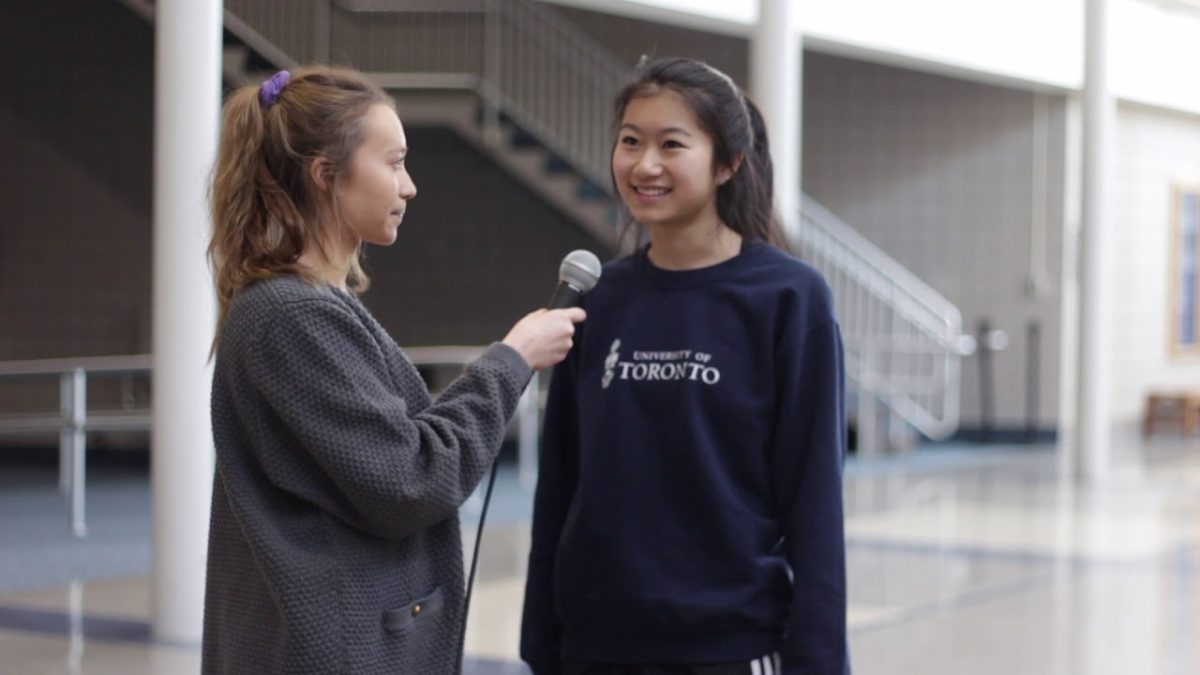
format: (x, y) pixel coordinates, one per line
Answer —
(577, 275)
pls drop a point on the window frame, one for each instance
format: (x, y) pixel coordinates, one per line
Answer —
(1179, 349)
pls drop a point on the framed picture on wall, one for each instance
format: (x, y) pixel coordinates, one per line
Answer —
(1185, 264)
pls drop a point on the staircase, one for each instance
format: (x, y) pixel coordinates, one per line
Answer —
(903, 340)
(511, 77)
(535, 94)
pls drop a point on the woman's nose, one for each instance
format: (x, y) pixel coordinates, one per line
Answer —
(408, 189)
(647, 164)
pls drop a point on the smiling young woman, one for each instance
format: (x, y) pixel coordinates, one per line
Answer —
(663, 164)
(688, 516)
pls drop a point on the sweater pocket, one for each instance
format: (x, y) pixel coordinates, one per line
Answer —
(420, 612)
(414, 637)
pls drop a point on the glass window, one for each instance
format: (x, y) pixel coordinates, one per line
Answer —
(1185, 255)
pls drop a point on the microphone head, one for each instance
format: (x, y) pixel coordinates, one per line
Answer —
(580, 269)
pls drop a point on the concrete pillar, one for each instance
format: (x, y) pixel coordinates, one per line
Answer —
(187, 83)
(1093, 423)
(775, 84)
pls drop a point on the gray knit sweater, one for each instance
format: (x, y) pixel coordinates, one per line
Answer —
(334, 544)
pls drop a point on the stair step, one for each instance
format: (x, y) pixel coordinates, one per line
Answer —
(557, 165)
(234, 58)
(523, 139)
(501, 115)
(590, 191)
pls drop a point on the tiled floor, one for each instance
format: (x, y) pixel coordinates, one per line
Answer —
(963, 561)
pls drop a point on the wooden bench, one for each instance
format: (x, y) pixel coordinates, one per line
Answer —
(1180, 410)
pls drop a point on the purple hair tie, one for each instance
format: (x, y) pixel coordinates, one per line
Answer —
(273, 87)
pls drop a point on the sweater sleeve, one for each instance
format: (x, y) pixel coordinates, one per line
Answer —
(367, 459)
(541, 629)
(808, 450)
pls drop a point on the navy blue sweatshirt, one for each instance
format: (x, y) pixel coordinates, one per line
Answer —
(689, 501)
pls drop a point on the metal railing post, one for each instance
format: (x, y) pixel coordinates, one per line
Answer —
(867, 423)
(527, 434)
(323, 31)
(73, 421)
(73, 444)
(903, 339)
(491, 70)
(66, 435)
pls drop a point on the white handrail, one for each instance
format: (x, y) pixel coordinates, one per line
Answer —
(904, 340)
(75, 420)
(135, 363)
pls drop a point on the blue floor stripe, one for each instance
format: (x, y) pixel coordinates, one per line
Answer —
(492, 667)
(59, 623)
(1011, 555)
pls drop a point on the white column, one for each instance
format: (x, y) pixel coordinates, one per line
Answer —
(1093, 424)
(1069, 362)
(187, 101)
(775, 84)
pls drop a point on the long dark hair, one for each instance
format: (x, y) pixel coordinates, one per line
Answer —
(745, 202)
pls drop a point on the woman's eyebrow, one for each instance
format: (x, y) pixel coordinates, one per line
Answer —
(668, 130)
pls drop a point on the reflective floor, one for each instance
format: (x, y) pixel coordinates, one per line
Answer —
(961, 560)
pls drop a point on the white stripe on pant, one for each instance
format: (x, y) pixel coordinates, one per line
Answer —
(770, 664)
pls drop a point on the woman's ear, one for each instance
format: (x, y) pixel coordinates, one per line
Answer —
(724, 173)
(320, 172)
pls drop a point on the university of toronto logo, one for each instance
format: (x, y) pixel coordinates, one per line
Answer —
(659, 366)
(611, 362)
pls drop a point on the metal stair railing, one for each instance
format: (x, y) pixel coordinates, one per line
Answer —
(74, 419)
(904, 342)
(525, 62)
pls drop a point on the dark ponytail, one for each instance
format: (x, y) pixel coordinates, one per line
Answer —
(760, 160)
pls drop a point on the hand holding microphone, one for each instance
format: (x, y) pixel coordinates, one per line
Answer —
(543, 337)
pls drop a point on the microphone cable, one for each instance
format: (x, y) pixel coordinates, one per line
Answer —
(487, 498)
(578, 274)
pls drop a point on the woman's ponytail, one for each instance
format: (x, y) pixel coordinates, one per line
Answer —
(264, 205)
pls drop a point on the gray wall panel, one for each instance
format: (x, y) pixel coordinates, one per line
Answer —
(76, 123)
(939, 172)
(476, 251)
